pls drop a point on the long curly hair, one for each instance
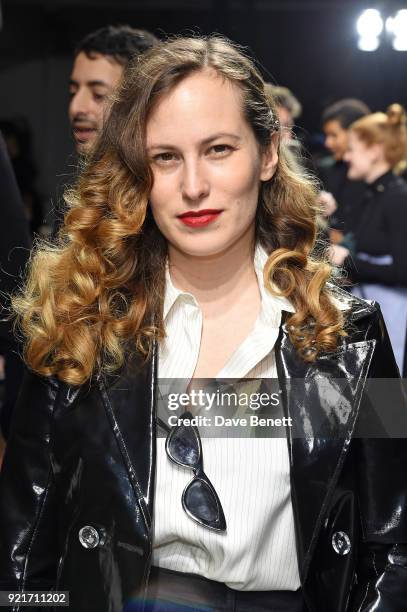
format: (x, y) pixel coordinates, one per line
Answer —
(97, 292)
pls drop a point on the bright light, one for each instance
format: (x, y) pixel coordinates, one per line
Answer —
(370, 24)
(399, 26)
(368, 43)
(400, 43)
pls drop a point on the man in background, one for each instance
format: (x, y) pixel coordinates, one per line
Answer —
(347, 195)
(288, 110)
(99, 62)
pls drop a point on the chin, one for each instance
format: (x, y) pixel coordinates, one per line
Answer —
(354, 176)
(201, 246)
(210, 242)
(200, 250)
(82, 148)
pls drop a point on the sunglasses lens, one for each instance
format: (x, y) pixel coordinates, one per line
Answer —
(200, 501)
(183, 446)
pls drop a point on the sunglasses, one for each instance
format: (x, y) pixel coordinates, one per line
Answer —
(199, 499)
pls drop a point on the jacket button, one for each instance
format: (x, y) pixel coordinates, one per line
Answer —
(341, 543)
(89, 537)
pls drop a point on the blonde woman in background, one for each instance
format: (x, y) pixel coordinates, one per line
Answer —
(377, 144)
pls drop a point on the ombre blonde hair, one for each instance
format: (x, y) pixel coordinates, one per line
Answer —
(96, 295)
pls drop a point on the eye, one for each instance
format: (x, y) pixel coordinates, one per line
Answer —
(220, 150)
(165, 157)
(99, 97)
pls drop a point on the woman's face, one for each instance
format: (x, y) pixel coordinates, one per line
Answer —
(360, 157)
(207, 166)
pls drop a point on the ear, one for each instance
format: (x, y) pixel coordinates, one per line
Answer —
(269, 159)
(377, 152)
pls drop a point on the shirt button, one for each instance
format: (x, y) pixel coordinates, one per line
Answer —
(89, 537)
(341, 543)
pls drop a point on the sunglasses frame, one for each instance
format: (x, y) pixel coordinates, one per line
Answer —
(199, 475)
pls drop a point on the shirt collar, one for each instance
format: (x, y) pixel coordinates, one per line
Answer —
(172, 293)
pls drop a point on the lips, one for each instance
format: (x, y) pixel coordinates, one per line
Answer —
(82, 134)
(199, 218)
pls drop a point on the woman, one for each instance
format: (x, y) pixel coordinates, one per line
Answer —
(188, 250)
(377, 144)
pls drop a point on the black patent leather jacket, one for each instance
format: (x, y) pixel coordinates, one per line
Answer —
(85, 456)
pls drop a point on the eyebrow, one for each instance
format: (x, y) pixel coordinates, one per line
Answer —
(206, 141)
(95, 83)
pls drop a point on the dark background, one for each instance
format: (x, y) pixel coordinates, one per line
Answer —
(309, 46)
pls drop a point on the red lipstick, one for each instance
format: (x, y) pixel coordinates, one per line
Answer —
(199, 218)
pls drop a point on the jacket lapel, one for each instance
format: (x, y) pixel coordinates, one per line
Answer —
(323, 399)
(130, 404)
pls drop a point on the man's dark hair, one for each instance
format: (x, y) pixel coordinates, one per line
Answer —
(345, 111)
(119, 42)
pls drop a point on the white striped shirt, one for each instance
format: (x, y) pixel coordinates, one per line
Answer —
(250, 475)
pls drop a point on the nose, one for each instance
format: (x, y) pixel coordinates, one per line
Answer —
(329, 143)
(194, 182)
(80, 104)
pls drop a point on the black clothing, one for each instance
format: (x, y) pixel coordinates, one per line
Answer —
(85, 458)
(348, 195)
(170, 591)
(65, 180)
(382, 231)
(14, 237)
(26, 175)
(14, 370)
(14, 253)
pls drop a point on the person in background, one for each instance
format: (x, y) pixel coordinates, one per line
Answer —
(341, 197)
(99, 62)
(15, 245)
(288, 110)
(376, 144)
